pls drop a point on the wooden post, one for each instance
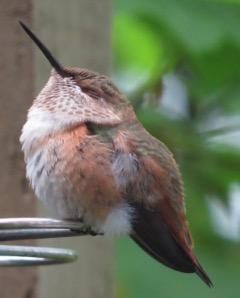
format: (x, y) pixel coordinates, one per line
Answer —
(78, 33)
(16, 93)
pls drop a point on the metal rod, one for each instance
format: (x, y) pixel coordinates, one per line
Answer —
(30, 255)
(24, 234)
(29, 222)
(36, 228)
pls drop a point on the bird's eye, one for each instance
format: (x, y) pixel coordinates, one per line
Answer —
(91, 92)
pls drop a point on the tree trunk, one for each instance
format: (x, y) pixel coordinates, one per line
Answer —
(16, 92)
(77, 32)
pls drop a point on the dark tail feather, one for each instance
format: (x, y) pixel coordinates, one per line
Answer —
(197, 268)
(152, 234)
(203, 275)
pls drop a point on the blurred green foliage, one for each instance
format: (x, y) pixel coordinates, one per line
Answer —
(199, 42)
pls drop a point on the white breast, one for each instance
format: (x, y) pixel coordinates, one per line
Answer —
(39, 124)
(46, 186)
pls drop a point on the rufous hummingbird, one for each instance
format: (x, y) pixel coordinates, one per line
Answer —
(90, 159)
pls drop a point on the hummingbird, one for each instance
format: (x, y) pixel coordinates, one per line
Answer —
(90, 159)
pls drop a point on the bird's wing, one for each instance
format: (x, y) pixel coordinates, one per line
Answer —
(160, 226)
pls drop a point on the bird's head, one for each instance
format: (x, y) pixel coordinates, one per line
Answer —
(75, 95)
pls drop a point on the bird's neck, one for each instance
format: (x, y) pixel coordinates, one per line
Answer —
(126, 133)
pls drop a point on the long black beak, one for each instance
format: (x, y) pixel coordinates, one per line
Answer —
(53, 61)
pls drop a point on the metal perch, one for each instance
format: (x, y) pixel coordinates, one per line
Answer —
(36, 228)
